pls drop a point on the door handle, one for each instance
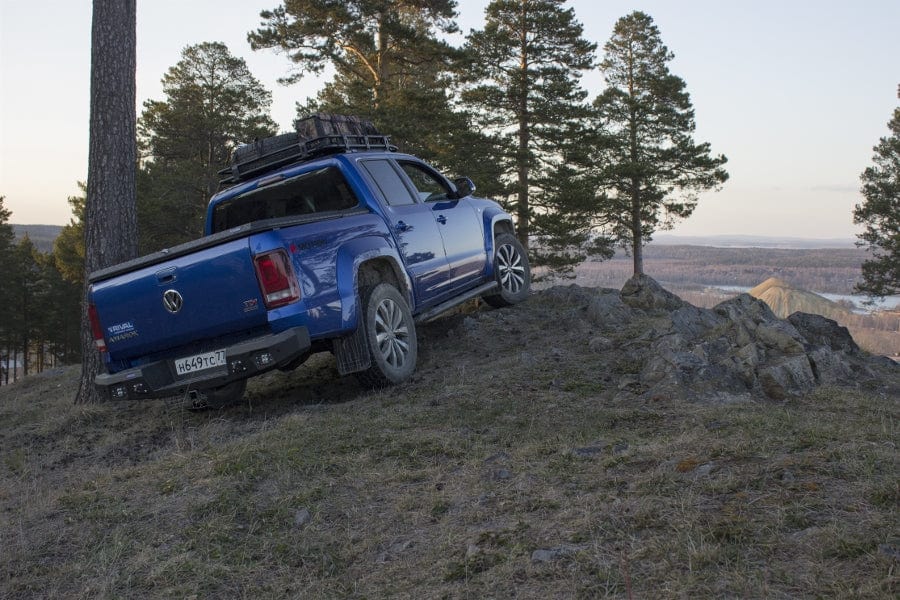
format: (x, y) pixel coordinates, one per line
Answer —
(166, 276)
(401, 227)
(441, 219)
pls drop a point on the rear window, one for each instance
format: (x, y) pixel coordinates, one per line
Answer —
(320, 191)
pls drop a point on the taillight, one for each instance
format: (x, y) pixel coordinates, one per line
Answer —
(277, 278)
(96, 330)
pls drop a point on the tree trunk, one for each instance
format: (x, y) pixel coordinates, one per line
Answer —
(522, 229)
(381, 62)
(637, 242)
(637, 238)
(25, 364)
(522, 208)
(110, 224)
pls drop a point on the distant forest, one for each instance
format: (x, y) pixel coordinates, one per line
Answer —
(828, 270)
(41, 236)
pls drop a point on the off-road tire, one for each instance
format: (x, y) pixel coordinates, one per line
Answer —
(511, 271)
(390, 336)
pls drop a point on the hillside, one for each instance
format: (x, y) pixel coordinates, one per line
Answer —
(785, 299)
(580, 445)
(752, 241)
(42, 236)
(828, 270)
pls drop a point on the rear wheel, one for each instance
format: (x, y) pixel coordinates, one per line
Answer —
(511, 270)
(390, 336)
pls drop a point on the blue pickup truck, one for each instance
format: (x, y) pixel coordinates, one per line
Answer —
(338, 243)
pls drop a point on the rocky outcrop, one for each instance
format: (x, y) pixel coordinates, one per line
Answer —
(645, 293)
(740, 348)
(645, 342)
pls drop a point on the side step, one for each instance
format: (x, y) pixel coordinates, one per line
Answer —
(431, 313)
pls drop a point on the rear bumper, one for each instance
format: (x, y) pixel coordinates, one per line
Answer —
(245, 359)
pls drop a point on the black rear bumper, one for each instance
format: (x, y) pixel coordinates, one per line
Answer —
(245, 359)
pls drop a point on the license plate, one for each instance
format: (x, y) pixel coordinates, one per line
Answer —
(200, 362)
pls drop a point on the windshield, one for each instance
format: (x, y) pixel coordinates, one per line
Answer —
(320, 191)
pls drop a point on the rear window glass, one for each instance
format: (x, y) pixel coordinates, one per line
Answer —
(320, 191)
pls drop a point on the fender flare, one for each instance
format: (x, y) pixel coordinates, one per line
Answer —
(490, 225)
(349, 258)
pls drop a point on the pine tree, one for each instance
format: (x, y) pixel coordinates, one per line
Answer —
(213, 103)
(524, 73)
(7, 243)
(7, 262)
(880, 213)
(390, 68)
(420, 117)
(63, 270)
(375, 44)
(57, 302)
(647, 166)
(25, 286)
(110, 215)
(68, 247)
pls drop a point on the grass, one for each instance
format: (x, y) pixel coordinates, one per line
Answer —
(446, 486)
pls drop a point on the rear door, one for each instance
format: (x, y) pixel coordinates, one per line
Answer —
(415, 230)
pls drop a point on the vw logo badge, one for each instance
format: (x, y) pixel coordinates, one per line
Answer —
(173, 301)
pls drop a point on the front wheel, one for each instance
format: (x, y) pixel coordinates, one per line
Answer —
(390, 336)
(511, 270)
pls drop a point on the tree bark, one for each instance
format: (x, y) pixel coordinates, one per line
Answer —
(522, 212)
(637, 238)
(110, 225)
(637, 242)
(524, 135)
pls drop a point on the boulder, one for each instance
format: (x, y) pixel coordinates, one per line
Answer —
(780, 336)
(606, 310)
(645, 293)
(829, 366)
(790, 376)
(690, 321)
(819, 331)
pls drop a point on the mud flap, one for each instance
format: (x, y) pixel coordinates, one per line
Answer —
(352, 352)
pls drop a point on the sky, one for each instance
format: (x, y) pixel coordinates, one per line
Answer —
(794, 92)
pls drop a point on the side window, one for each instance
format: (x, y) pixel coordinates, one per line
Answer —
(388, 181)
(429, 187)
(321, 191)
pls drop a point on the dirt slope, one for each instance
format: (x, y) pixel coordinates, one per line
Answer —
(524, 459)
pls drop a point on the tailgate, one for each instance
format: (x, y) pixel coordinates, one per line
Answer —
(205, 294)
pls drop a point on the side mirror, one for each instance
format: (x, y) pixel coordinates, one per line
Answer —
(464, 187)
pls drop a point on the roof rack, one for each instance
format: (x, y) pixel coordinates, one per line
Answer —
(341, 134)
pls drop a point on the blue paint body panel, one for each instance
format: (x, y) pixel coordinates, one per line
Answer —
(438, 250)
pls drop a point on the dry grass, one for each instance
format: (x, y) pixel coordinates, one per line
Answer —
(446, 486)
